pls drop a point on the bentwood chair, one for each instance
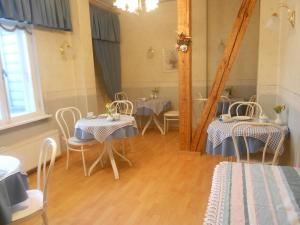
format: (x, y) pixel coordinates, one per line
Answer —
(121, 96)
(253, 109)
(240, 136)
(66, 119)
(124, 107)
(36, 204)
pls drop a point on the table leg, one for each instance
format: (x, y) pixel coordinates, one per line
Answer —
(147, 125)
(112, 159)
(157, 123)
(121, 156)
(97, 160)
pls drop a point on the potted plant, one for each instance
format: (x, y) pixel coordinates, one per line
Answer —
(278, 109)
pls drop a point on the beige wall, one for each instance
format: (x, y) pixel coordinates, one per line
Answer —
(279, 72)
(156, 29)
(221, 17)
(64, 81)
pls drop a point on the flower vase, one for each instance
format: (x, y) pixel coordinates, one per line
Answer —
(278, 119)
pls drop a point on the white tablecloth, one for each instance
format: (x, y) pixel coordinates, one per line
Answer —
(101, 129)
(219, 131)
(156, 105)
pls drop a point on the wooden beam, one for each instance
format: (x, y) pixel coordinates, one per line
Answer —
(230, 54)
(185, 77)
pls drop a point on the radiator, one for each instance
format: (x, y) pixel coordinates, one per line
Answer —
(27, 151)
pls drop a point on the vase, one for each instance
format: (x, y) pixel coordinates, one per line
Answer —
(278, 119)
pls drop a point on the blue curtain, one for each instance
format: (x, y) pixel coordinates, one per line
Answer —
(46, 13)
(106, 43)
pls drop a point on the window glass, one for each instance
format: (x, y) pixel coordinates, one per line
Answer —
(16, 72)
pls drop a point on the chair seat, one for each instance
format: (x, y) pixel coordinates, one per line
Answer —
(32, 205)
(78, 142)
(172, 114)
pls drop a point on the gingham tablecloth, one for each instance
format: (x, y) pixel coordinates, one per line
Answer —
(13, 186)
(156, 105)
(101, 128)
(219, 131)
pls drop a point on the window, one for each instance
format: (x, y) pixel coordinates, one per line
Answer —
(20, 99)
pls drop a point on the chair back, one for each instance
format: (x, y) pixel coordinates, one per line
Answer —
(47, 153)
(66, 119)
(253, 109)
(124, 107)
(240, 136)
(121, 96)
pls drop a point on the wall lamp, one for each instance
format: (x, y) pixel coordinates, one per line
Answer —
(275, 16)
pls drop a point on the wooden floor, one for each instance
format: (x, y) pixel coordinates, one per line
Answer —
(164, 187)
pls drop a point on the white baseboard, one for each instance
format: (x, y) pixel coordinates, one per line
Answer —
(27, 151)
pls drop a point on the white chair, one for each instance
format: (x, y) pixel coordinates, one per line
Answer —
(66, 119)
(242, 129)
(170, 116)
(124, 107)
(253, 109)
(121, 96)
(36, 204)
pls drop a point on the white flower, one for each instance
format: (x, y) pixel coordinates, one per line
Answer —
(183, 48)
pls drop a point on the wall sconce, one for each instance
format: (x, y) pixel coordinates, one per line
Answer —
(274, 19)
(150, 53)
(66, 50)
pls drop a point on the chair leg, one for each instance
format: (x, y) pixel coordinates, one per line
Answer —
(165, 121)
(83, 162)
(123, 147)
(68, 158)
(45, 218)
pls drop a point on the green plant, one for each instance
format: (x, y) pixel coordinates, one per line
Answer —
(279, 108)
(109, 110)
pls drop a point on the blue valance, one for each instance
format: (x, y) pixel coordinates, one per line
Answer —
(47, 13)
(105, 25)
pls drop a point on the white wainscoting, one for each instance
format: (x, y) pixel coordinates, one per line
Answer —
(27, 151)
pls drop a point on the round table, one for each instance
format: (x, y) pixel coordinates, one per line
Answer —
(105, 131)
(219, 140)
(13, 186)
(152, 108)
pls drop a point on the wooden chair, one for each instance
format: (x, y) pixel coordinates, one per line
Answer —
(170, 116)
(67, 128)
(253, 109)
(36, 204)
(124, 107)
(121, 96)
(269, 129)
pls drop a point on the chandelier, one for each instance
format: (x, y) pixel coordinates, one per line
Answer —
(134, 6)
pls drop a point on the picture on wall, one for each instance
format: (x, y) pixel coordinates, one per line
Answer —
(170, 59)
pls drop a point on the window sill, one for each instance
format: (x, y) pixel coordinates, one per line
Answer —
(23, 122)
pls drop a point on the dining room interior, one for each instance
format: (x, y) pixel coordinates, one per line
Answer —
(124, 112)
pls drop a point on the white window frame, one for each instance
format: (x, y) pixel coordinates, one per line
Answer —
(7, 121)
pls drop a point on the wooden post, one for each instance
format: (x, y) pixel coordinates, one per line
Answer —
(230, 54)
(185, 77)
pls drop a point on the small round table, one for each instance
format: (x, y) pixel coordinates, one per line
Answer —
(152, 108)
(105, 131)
(219, 140)
(13, 186)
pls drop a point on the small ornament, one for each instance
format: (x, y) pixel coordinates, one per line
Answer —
(183, 42)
